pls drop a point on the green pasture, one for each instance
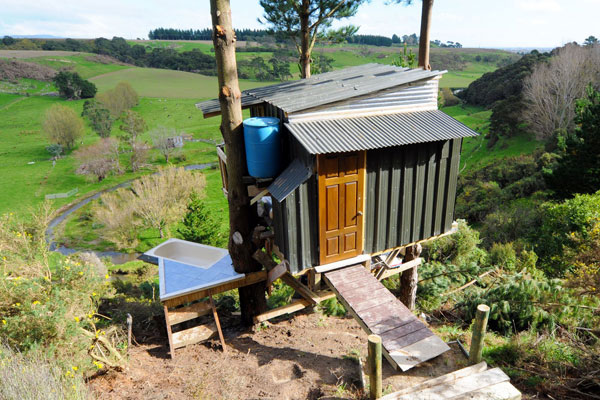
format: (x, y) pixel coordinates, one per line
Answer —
(85, 64)
(475, 151)
(151, 82)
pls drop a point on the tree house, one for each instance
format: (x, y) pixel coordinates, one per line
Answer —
(370, 163)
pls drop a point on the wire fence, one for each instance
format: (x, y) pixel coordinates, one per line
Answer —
(62, 195)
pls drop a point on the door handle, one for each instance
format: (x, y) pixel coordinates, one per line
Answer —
(360, 213)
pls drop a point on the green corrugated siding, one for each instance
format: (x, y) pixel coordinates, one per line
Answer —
(411, 193)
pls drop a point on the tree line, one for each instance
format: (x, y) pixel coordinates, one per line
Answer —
(203, 34)
(118, 48)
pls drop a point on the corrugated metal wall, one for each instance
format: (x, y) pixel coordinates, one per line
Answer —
(411, 192)
(416, 96)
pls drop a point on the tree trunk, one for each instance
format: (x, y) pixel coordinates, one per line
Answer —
(304, 40)
(424, 38)
(409, 278)
(252, 298)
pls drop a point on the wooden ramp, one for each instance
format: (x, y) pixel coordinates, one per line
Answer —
(406, 340)
(474, 383)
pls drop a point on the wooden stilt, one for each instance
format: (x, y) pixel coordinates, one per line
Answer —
(216, 316)
(409, 278)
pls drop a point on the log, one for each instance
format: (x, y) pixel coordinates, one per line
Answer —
(374, 365)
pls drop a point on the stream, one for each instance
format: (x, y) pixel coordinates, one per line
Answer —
(116, 257)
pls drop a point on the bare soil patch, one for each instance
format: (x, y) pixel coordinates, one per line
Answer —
(307, 356)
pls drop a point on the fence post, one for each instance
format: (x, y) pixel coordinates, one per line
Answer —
(479, 327)
(374, 365)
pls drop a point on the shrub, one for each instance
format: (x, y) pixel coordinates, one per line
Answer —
(502, 255)
(33, 377)
(122, 97)
(449, 99)
(153, 201)
(50, 309)
(63, 126)
(72, 86)
(99, 117)
(565, 228)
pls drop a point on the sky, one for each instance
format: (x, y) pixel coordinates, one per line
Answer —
(473, 23)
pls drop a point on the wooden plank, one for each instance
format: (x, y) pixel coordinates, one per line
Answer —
(499, 391)
(387, 312)
(370, 302)
(249, 279)
(416, 353)
(460, 387)
(408, 339)
(448, 378)
(259, 196)
(401, 268)
(294, 306)
(403, 330)
(194, 335)
(192, 311)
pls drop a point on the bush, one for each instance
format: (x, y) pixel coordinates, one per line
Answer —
(63, 126)
(34, 377)
(72, 86)
(566, 227)
(119, 99)
(50, 309)
(502, 255)
(449, 99)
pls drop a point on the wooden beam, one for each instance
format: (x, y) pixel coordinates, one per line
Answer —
(300, 288)
(249, 279)
(276, 273)
(294, 306)
(186, 313)
(221, 154)
(401, 268)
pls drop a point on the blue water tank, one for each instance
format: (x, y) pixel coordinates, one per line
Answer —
(263, 146)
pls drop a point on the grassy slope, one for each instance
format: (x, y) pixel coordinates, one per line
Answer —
(83, 64)
(475, 151)
(151, 82)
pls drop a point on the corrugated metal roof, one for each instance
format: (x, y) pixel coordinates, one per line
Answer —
(328, 88)
(293, 176)
(373, 132)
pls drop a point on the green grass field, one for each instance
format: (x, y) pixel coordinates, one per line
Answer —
(151, 82)
(475, 151)
(84, 64)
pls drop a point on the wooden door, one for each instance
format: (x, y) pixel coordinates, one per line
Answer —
(341, 198)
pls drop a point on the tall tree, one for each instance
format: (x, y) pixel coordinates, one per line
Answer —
(425, 28)
(302, 20)
(252, 298)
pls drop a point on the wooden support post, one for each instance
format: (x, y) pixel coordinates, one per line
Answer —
(409, 278)
(479, 327)
(169, 333)
(314, 280)
(374, 363)
(216, 317)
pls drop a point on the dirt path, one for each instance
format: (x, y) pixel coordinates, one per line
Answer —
(308, 356)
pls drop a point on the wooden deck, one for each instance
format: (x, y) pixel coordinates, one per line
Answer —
(406, 340)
